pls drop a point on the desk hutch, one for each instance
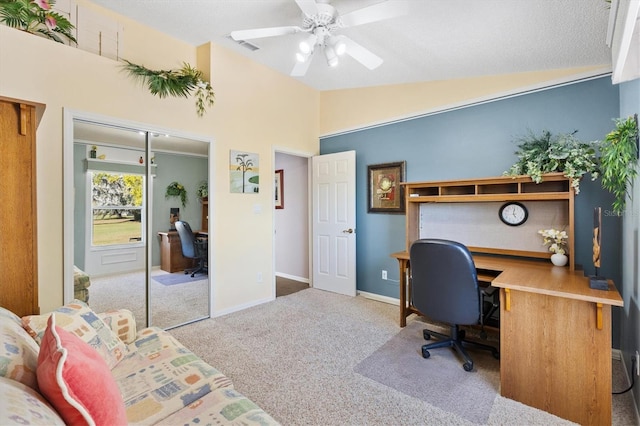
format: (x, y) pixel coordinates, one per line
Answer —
(555, 331)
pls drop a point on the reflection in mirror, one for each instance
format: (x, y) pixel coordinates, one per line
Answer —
(175, 296)
(126, 254)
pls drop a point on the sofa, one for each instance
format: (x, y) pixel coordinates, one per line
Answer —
(74, 366)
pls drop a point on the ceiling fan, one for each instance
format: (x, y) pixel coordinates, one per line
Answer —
(320, 22)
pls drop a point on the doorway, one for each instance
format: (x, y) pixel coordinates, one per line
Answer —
(291, 225)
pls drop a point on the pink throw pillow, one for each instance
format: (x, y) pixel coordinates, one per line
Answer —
(76, 380)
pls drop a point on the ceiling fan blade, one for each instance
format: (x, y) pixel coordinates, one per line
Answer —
(361, 54)
(264, 32)
(377, 12)
(308, 7)
(300, 68)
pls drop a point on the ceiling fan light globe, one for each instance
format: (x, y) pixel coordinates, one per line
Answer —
(330, 54)
(306, 45)
(339, 46)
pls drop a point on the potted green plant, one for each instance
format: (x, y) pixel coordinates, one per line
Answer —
(203, 190)
(546, 153)
(176, 189)
(36, 17)
(619, 160)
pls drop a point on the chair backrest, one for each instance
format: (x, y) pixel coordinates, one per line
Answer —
(444, 281)
(187, 239)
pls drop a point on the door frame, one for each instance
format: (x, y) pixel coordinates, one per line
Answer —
(69, 115)
(308, 156)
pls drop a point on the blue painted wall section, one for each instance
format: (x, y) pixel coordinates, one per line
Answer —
(478, 141)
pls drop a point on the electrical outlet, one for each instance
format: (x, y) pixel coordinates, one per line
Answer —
(259, 277)
(637, 363)
(384, 274)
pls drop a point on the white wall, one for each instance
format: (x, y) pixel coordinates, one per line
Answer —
(291, 222)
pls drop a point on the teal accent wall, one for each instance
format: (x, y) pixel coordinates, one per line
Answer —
(189, 171)
(478, 141)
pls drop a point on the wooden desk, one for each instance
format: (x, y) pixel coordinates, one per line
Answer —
(171, 258)
(555, 336)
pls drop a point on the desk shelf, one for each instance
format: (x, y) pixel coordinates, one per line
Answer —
(553, 188)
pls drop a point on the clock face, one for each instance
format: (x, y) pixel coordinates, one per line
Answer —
(513, 214)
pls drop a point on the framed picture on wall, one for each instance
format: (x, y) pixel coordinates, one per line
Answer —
(279, 189)
(385, 193)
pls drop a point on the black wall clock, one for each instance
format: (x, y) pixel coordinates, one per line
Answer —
(513, 213)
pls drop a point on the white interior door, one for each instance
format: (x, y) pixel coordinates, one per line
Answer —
(334, 222)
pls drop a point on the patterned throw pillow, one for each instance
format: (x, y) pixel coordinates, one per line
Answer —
(122, 323)
(21, 405)
(77, 381)
(79, 319)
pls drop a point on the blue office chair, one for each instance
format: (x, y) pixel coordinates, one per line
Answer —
(193, 248)
(444, 287)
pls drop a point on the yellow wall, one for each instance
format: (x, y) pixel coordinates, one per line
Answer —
(343, 110)
(256, 108)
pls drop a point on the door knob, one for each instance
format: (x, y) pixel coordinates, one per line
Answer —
(348, 231)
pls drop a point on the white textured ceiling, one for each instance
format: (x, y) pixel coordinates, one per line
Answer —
(436, 40)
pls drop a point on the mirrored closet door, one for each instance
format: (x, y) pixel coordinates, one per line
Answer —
(130, 186)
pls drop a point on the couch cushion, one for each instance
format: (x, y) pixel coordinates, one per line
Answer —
(79, 319)
(18, 351)
(160, 376)
(221, 407)
(21, 405)
(76, 380)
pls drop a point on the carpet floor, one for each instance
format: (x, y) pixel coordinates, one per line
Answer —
(399, 364)
(177, 278)
(302, 359)
(170, 305)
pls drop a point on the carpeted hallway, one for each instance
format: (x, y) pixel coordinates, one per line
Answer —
(286, 286)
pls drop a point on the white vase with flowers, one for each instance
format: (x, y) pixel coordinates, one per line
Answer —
(557, 241)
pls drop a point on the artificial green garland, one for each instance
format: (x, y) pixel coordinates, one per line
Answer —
(178, 83)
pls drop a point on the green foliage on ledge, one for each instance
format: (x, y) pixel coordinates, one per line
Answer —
(178, 83)
(546, 153)
(36, 17)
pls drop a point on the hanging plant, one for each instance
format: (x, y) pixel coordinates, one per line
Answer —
(545, 153)
(36, 17)
(178, 83)
(176, 189)
(619, 160)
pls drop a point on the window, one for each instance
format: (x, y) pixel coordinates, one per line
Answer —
(116, 208)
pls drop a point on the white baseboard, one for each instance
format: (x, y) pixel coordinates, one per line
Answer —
(241, 307)
(380, 298)
(292, 277)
